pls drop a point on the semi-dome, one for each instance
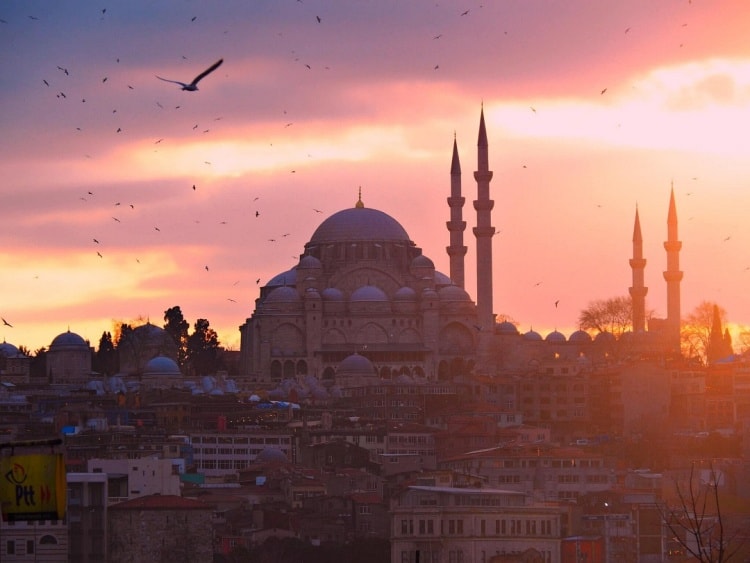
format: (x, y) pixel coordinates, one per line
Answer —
(422, 261)
(284, 278)
(359, 224)
(405, 294)
(555, 336)
(453, 293)
(161, 365)
(332, 294)
(67, 339)
(310, 262)
(283, 294)
(442, 279)
(368, 293)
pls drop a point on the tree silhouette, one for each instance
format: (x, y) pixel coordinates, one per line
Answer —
(105, 359)
(38, 368)
(695, 520)
(613, 315)
(695, 335)
(177, 327)
(203, 349)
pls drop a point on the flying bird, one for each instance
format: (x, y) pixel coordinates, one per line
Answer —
(6, 323)
(193, 86)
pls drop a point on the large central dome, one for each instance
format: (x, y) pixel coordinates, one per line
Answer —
(359, 224)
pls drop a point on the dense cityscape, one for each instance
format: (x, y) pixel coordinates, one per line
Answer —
(383, 282)
(376, 412)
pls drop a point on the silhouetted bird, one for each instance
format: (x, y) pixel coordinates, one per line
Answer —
(193, 86)
(6, 323)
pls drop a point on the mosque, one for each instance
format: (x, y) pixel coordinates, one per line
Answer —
(364, 289)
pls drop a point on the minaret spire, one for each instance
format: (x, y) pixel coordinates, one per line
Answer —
(673, 276)
(638, 290)
(484, 231)
(456, 225)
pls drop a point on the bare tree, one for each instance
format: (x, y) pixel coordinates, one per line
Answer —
(695, 335)
(613, 315)
(695, 521)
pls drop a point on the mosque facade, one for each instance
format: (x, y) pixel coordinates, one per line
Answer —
(362, 286)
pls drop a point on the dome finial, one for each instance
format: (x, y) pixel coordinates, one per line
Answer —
(359, 204)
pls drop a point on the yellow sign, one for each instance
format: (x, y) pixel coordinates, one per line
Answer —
(32, 487)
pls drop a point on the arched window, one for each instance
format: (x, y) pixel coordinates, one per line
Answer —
(48, 540)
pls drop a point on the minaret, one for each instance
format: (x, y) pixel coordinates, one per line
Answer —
(456, 226)
(673, 276)
(638, 291)
(484, 232)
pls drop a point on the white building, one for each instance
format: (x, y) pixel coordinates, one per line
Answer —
(470, 525)
(132, 478)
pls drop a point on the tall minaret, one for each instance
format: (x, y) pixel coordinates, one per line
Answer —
(484, 231)
(673, 276)
(638, 291)
(456, 225)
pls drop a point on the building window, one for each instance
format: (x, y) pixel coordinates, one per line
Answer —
(29, 547)
(10, 547)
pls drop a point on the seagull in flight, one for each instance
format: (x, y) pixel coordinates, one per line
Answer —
(6, 323)
(193, 86)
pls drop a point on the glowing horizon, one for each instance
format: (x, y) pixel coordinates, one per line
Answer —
(589, 113)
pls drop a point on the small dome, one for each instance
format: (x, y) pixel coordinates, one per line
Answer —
(161, 365)
(312, 293)
(532, 335)
(150, 333)
(404, 379)
(405, 294)
(68, 339)
(429, 293)
(580, 336)
(310, 262)
(604, 337)
(284, 278)
(273, 455)
(8, 350)
(453, 293)
(332, 294)
(555, 336)
(368, 293)
(283, 294)
(356, 365)
(507, 327)
(422, 261)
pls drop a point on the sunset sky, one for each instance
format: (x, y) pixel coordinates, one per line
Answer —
(592, 107)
